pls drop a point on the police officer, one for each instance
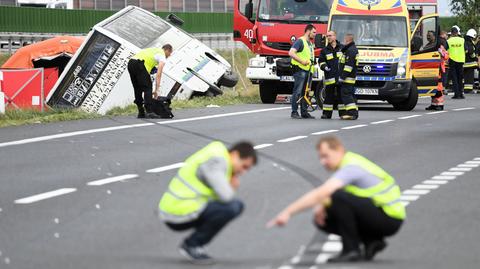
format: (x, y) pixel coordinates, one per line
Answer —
(328, 62)
(470, 60)
(202, 195)
(348, 72)
(456, 52)
(360, 202)
(139, 68)
(302, 54)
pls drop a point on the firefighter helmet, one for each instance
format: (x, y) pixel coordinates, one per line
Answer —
(472, 33)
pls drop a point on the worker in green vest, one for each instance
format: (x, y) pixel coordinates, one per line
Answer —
(360, 203)
(139, 67)
(456, 52)
(303, 56)
(201, 196)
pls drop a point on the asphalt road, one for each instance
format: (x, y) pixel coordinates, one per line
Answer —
(81, 222)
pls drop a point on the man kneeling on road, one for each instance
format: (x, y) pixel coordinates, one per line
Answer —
(201, 195)
(360, 202)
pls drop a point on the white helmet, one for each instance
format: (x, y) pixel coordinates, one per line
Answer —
(472, 33)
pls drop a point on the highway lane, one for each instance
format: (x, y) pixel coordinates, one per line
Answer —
(113, 226)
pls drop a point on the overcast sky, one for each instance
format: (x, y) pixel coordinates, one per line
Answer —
(443, 8)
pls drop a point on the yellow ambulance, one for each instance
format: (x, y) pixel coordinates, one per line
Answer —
(395, 64)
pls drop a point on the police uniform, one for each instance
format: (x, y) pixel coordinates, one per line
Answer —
(329, 62)
(470, 64)
(348, 72)
(456, 52)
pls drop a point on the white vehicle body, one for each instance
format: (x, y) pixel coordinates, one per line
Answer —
(260, 69)
(96, 78)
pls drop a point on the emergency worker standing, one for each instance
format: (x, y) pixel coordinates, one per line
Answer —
(202, 195)
(348, 72)
(360, 202)
(470, 60)
(438, 100)
(139, 68)
(456, 52)
(328, 62)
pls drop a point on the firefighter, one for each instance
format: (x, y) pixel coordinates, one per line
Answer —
(456, 52)
(348, 72)
(139, 68)
(201, 196)
(438, 100)
(470, 60)
(328, 62)
(360, 202)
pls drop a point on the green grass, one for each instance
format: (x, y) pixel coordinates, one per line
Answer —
(244, 93)
(3, 58)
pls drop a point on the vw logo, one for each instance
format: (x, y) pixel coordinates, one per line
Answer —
(293, 38)
(369, 2)
(367, 69)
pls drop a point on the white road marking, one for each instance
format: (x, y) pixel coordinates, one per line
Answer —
(463, 169)
(476, 159)
(468, 165)
(122, 127)
(463, 108)
(416, 192)
(295, 259)
(354, 127)
(427, 187)
(472, 162)
(323, 258)
(97, 206)
(291, 139)
(409, 117)
(56, 220)
(261, 146)
(452, 173)
(111, 180)
(435, 182)
(437, 112)
(325, 132)
(444, 177)
(165, 168)
(45, 195)
(56, 235)
(332, 246)
(381, 122)
(409, 197)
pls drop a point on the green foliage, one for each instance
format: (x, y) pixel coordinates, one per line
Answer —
(446, 23)
(467, 13)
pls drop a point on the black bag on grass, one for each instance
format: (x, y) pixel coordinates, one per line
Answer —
(161, 107)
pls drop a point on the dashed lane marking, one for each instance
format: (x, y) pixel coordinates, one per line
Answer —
(381, 122)
(45, 195)
(165, 168)
(463, 108)
(435, 182)
(409, 197)
(452, 173)
(409, 117)
(325, 132)
(437, 112)
(262, 146)
(425, 187)
(416, 192)
(444, 177)
(290, 139)
(354, 127)
(111, 180)
(463, 169)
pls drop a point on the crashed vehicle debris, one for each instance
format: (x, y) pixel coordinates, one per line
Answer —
(96, 79)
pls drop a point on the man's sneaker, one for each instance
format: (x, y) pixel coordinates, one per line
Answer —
(307, 116)
(351, 256)
(196, 255)
(372, 248)
(151, 115)
(295, 115)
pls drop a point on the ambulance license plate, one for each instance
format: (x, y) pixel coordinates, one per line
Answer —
(286, 78)
(364, 91)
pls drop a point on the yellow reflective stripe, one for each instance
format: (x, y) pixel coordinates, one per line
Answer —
(351, 106)
(330, 81)
(468, 87)
(470, 64)
(339, 54)
(329, 56)
(347, 68)
(349, 80)
(327, 107)
(341, 107)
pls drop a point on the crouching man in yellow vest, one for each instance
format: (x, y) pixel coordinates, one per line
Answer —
(202, 195)
(360, 202)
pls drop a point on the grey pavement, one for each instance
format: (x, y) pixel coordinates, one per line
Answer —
(114, 225)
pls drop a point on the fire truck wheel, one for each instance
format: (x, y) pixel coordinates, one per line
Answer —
(268, 92)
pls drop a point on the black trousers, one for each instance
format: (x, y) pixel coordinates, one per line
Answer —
(333, 96)
(348, 97)
(212, 220)
(456, 71)
(142, 84)
(469, 74)
(357, 220)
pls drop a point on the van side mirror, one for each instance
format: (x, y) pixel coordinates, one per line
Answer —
(319, 41)
(249, 9)
(175, 19)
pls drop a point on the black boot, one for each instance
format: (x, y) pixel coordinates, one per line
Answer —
(150, 114)
(372, 248)
(350, 256)
(326, 115)
(141, 112)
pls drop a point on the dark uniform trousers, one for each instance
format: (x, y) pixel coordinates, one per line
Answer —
(142, 84)
(333, 96)
(456, 71)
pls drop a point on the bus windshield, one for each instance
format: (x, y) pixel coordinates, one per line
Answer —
(379, 31)
(294, 11)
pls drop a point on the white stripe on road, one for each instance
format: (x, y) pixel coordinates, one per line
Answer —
(435, 182)
(43, 196)
(452, 173)
(444, 177)
(261, 146)
(382, 121)
(111, 180)
(292, 139)
(463, 169)
(463, 108)
(165, 168)
(468, 165)
(472, 162)
(437, 112)
(425, 187)
(354, 127)
(415, 192)
(116, 128)
(325, 132)
(409, 117)
(409, 197)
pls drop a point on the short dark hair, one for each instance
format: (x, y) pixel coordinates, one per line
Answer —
(454, 30)
(245, 150)
(309, 27)
(167, 47)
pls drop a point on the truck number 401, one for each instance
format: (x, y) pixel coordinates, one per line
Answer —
(248, 33)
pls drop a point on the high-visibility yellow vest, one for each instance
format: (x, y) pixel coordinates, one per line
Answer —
(456, 49)
(148, 57)
(385, 194)
(187, 195)
(306, 54)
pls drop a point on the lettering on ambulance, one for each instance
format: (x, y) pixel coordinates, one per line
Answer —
(383, 54)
